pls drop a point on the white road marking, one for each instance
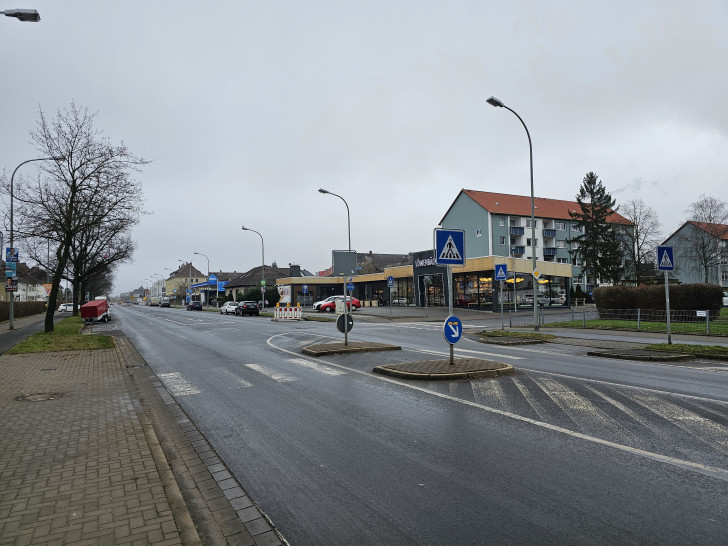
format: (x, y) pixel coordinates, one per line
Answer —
(276, 376)
(315, 366)
(177, 384)
(712, 471)
(234, 382)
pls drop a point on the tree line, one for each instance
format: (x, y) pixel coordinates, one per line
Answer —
(627, 253)
(75, 216)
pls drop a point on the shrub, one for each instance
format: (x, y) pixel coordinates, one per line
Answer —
(683, 297)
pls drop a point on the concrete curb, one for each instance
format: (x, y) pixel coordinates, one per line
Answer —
(642, 355)
(324, 349)
(478, 374)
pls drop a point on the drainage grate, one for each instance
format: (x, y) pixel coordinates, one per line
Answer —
(39, 397)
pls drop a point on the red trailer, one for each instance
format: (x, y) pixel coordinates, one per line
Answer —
(95, 311)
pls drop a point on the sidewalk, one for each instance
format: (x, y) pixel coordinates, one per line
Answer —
(93, 450)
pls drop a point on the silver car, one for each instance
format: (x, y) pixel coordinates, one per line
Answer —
(228, 307)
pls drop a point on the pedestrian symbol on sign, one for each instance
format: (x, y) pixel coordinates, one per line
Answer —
(665, 260)
(450, 251)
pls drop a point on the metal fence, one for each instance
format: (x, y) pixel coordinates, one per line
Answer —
(696, 321)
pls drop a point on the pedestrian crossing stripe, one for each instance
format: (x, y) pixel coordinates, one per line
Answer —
(450, 251)
(665, 262)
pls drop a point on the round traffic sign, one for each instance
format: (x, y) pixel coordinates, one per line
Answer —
(453, 329)
(340, 323)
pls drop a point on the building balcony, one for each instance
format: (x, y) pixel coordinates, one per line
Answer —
(550, 250)
(549, 233)
(516, 230)
(518, 250)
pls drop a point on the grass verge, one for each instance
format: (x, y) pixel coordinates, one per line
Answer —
(66, 336)
(718, 352)
(717, 327)
(519, 335)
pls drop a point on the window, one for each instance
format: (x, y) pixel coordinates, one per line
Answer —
(562, 260)
(528, 223)
(502, 241)
(479, 232)
(501, 220)
(560, 244)
(574, 245)
(575, 228)
(561, 226)
(528, 242)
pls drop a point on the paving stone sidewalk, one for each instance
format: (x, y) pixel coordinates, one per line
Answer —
(81, 463)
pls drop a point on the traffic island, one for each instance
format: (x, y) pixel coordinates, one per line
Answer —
(642, 354)
(461, 368)
(502, 340)
(323, 349)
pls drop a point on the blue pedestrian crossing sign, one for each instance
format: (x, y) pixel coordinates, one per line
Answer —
(450, 247)
(501, 272)
(665, 261)
(390, 281)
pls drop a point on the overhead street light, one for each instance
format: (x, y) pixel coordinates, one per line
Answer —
(12, 185)
(499, 104)
(262, 280)
(26, 15)
(346, 290)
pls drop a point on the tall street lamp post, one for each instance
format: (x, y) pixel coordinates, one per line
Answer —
(346, 291)
(262, 280)
(26, 15)
(12, 185)
(499, 104)
(208, 273)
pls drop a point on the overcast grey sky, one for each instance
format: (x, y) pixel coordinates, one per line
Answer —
(247, 108)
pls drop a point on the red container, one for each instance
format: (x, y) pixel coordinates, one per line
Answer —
(95, 310)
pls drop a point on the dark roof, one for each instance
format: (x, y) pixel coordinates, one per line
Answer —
(183, 272)
(253, 277)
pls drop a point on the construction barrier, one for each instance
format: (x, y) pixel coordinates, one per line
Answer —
(288, 313)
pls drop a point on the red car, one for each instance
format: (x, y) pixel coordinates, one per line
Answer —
(329, 304)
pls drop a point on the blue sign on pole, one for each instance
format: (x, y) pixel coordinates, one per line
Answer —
(304, 288)
(665, 261)
(350, 286)
(390, 281)
(453, 329)
(501, 272)
(450, 247)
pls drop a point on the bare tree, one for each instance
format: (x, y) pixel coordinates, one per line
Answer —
(90, 189)
(641, 241)
(703, 240)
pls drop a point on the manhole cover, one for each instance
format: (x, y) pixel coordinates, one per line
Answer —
(39, 397)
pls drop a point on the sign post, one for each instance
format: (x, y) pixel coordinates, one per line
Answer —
(449, 251)
(501, 274)
(390, 284)
(666, 263)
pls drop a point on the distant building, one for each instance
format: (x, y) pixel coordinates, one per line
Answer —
(698, 246)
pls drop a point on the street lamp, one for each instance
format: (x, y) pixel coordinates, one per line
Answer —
(12, 182)
(499, 104)
(262, 280)
(26, 15)
(208, 273)
(346, 291)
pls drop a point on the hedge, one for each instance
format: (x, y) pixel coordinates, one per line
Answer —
(683, 297)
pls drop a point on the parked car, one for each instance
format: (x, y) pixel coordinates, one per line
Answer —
(65, 307)
(247, 308)
(542, 300)
(329, 304)
(229, 307)
(725, 299)
(194, 306)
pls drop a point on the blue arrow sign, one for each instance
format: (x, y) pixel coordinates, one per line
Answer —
(501, 272)
(453, 329)
(449, 247)
(665, 261)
